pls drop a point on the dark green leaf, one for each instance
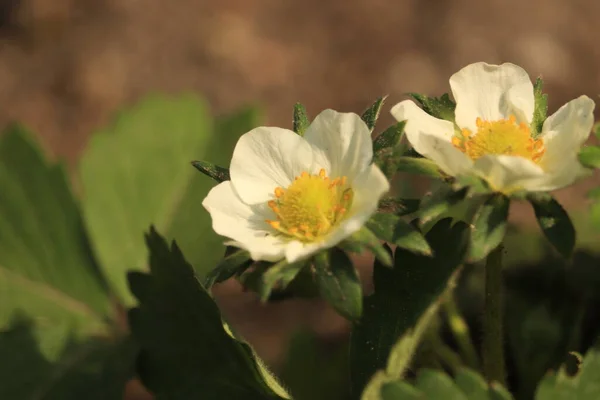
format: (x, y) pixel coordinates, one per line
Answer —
(47, 269)
(554, 221)
(489, 227)
(301, 122)
(585, 385)
(186, 351)
(540, 110)
(419, 166)
(405, 300)
(338, 283)
(439, 107)
(395, 230)
(589, 156)
(364, 238)
(371, 114)
(215, 172)
(230, 265)
(398, 207)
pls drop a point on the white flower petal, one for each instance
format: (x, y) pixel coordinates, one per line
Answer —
(342, 142)
(447, 157)
(266, 158)
(491, 92)
(509, 173)
(243, 223)
(564, 133)
(368, 187)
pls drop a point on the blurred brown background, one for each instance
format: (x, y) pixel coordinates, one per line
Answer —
(67, 65)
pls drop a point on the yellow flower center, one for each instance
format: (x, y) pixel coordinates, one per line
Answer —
(500, 137)
(310, 206)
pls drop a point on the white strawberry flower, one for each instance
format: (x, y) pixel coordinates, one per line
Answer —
(291, 196)
(492, 135)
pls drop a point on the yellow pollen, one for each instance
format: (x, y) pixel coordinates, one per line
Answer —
(504, 136)
(311, 206)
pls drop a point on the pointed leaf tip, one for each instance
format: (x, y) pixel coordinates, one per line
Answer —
(371, 114)
(219, 174)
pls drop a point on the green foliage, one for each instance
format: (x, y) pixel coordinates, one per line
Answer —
(233, 263)
(215, 172)
(365, 239)
(432, 385)
(148, 181)
(398, 206)
(439, 202)
(589, 156)
(440, 107)
(584, 385)
(338, 283)
(186, 351)
(400, 310)
(47, 270)
(394, 230)
(554, 221)
(301, 121)
(489, 227)
(419, 166)
(371, 114)
(540, 110)
(387, 149)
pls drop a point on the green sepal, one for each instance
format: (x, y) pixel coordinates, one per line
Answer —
(234, 262)
(540, 109)
(554, 221)
(489, 227)
(219, 174)
(365, 239)
(371, 114)
(301, 121)
(394, 230)
(387, 149)
(266, 278)
(439, 202)
(419, 166)
(440, 107)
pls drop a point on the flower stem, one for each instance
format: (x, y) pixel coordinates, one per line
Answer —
(460, 331)
(493, 341)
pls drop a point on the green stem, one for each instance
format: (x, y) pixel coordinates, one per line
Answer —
(493, 341)
(460, 331)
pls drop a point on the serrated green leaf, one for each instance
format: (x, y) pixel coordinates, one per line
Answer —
(301, 121)
(94, 369)
(338, 283)
(371, 114)
(395, 230)
(589, 156)
(136, 173)
(440, 107)
(419, 166)
(215, 172)
(397, 206)
(365, 239)
(540, 110)
(186, 351)
(47, 270)
(405, 300)
(584, 385)
(237, 261)
(489, 227)
(554, 221)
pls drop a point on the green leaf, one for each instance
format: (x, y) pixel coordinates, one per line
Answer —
(279, 276)
(540, 110)
(589, 156)
(554, 221)
(405, 300)
(398, 207)
(94, 369)
(215, 172)
(301, 121)
(388, 150)
(371, 114)
(439, 107)
(395, 230)
(186, 351)
(235, 262)
(432, 385)
(584, 385)
(365, 239)
(419, 166)
(339, 283)
(47, 269)
(489, 227)
(137, 172)
(439, 202)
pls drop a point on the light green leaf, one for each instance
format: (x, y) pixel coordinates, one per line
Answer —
(338, 283)
(540, 110)
(395, 230)
(405, 300)
(47, 269)
(186, 351)
(301, 121)
(589, 156)
(439, 107)
(584, 385)
(554, 221)
(489, 227)
(137, 172)
(419, 166)
(371, 114)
